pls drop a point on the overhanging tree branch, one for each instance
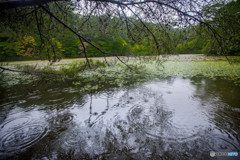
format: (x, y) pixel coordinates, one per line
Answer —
(23, 3)
(186, 13)
(80, 37)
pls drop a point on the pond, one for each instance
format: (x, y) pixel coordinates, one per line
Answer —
(172, 118)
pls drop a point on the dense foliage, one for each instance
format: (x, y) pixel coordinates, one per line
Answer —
(19, 41)
(225, 20)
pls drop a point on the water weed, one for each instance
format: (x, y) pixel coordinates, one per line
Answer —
(100, 76)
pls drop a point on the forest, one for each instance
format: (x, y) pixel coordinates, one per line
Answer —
(119, 79)
(19, 41)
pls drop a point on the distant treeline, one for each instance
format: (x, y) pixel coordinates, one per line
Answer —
(53, 42)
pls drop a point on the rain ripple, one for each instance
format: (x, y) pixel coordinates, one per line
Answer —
(20, 130)
(22, 138)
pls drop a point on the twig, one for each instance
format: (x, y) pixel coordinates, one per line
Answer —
(81, 37)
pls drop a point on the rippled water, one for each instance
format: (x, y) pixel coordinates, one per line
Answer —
(172, 118)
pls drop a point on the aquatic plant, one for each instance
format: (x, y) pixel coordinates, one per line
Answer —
(100, 76)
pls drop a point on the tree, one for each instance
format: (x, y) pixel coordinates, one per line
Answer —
(6, 45)
(26, 46)
(136, 15)
(52, 50)
(225, 18)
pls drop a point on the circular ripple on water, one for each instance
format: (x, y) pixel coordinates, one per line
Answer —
(71, 139)
(152, 120)
(22, 138)
(136, 115)
(15, 122)
(218, 143)
(62, 119)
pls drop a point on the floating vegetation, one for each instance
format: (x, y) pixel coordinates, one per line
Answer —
(210, 69)
(100, 76)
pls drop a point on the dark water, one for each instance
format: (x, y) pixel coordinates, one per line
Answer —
(164, 119)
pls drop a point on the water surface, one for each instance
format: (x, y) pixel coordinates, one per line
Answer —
(173, 118)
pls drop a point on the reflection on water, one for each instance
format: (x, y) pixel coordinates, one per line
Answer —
(164, 119)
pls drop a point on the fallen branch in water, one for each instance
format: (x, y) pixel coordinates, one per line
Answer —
(33, 72)
(12, 70)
